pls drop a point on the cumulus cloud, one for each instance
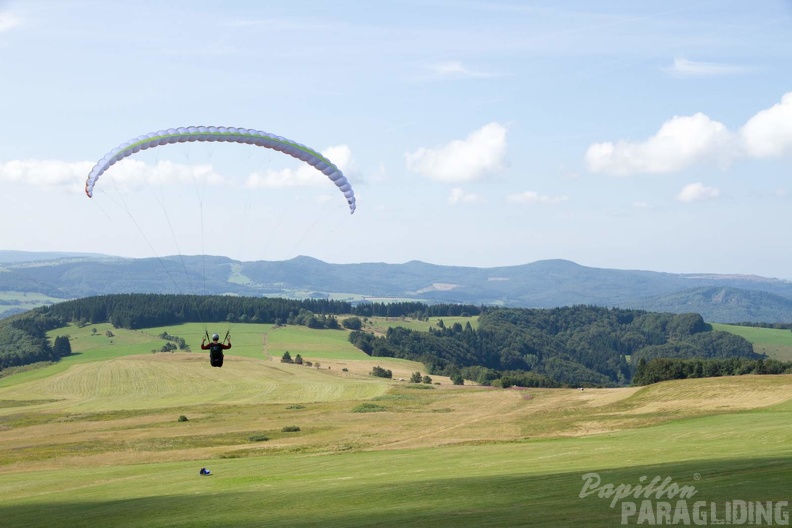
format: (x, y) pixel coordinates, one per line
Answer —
(8, 21)
(47, 174)
(481, 153)
(132, 173)
(685, 140)
(303, 175)
(769, 132)
(531, 197)
(126, 175)
(688, 68)
(697, 192)
(680, 142)
(460, 196)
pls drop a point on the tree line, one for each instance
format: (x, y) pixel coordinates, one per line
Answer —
(135, 311)
(664, 369)
(568, 346)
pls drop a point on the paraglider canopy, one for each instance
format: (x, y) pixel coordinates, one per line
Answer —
(227, 134)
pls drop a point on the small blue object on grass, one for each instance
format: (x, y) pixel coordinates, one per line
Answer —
(205, 471)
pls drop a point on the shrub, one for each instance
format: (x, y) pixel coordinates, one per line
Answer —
(258, 438)
(368, 407)
(290, 429)
(352, 323)
(182, 418)
(381, 372)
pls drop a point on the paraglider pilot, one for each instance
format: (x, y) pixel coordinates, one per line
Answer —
(216, 348)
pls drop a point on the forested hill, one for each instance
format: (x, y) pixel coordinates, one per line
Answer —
(578, 345)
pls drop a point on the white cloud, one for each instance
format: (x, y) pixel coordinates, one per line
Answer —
(126, 174)
(697, 192)
(531, 197)
(680, 142)
(129, 173)
(769, 132)
(132, 173)
(459, 196)
(469, 159)
(683, 141)
(9, 21)
(455, 69)
(47, 174)
(687, 68)
(303, 175)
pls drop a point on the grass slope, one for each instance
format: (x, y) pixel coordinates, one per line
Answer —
(95, 440)
(774, 342)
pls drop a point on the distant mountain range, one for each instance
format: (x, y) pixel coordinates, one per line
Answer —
(541, 284)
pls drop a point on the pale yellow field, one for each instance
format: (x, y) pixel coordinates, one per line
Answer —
(179, 379)
(126, 410)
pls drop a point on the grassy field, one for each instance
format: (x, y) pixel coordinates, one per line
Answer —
(776, 343)
(98, 440)
(381, 324)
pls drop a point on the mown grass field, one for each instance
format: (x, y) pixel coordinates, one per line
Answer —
(96, 440)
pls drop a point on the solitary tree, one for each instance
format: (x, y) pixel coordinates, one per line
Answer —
(62, 347)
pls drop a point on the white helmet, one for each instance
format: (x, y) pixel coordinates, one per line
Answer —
(215, 337)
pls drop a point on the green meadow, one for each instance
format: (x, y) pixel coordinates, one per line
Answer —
(381, 324)
(115, 435)
(775, 342)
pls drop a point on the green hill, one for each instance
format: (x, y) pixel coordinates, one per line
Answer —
(97, 440)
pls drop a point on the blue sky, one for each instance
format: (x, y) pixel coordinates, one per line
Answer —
(649, 135)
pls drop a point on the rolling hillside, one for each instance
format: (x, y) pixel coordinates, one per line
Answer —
(99, 440)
